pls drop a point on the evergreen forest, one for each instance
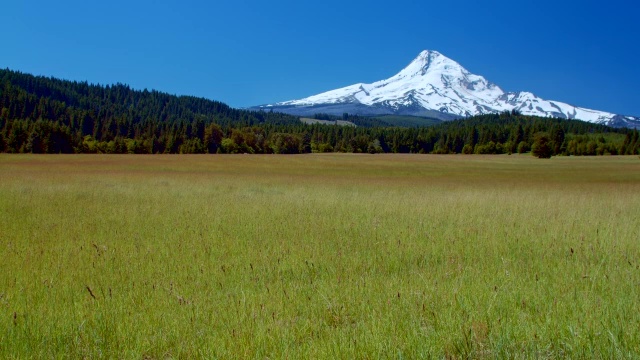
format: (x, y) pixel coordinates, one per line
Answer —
(47, 115)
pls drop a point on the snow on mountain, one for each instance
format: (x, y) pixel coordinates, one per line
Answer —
(432, 84)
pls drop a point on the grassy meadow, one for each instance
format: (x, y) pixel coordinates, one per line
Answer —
(319, 256)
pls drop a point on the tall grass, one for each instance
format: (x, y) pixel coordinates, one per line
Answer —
(319, 256)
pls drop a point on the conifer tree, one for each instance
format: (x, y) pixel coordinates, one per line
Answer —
(540, 147)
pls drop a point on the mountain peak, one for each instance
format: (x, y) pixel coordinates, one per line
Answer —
(428, 53)
(430, 61)
(435, 85)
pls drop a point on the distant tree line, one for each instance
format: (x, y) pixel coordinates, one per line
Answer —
(364, 121)
(46, 115)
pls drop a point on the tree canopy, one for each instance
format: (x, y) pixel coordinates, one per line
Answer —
(47, 115)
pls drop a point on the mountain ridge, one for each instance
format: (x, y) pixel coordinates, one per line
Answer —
(437, 86)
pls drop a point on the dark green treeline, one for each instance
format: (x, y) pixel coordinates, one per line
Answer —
(47, 115)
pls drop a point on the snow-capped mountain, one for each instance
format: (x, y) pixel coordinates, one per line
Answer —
(434, 85)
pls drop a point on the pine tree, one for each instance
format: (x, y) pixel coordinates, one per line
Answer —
(540, 147)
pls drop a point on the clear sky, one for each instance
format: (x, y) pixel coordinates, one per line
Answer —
(248, 52)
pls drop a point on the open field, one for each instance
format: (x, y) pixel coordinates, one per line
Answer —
(409, 121)
(327, 122)
(319, 256)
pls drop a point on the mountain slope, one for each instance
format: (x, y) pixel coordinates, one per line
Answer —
(434, 85)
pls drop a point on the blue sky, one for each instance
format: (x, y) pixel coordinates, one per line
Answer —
(247, 52)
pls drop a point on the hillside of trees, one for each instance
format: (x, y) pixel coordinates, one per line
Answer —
(47, 115)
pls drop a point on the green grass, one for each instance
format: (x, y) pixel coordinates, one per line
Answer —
(319, 256)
